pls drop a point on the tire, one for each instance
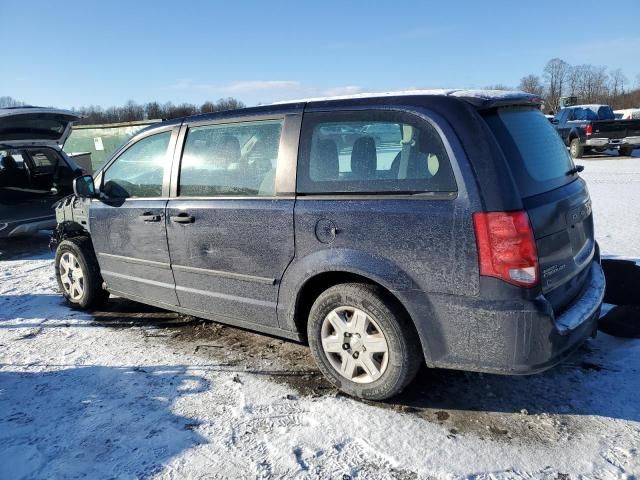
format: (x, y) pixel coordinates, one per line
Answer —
(577, 150)
(625, 151)
(78, 274)
(386, 326)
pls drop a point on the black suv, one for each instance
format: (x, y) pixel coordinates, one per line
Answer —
(34, 171)
(462, 237)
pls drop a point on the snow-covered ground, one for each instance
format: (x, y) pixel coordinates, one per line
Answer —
(614, 185)
(137, 392)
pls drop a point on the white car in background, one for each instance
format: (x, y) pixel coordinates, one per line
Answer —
(627, 114)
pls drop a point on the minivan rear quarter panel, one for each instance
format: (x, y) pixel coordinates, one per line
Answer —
(420, 248)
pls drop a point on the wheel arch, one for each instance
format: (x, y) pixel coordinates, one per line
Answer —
(81, 246)
(573, 134)
(305, 288)
(66, 230)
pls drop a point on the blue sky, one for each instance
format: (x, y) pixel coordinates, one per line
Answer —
(74, 53)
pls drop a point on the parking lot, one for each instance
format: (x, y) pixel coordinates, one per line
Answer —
(134, 391)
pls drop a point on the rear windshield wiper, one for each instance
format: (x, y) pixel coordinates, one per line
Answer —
(576, 169)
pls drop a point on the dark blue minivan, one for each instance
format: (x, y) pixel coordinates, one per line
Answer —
(442, 227)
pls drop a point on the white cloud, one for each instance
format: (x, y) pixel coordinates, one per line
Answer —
(260, 85)
(346, 90)
(236, 87)
(264, 91)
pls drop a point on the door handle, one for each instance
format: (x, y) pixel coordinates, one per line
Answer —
(182, 218)
(150, 217)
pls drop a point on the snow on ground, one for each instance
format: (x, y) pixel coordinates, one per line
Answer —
(614, 185)
(133, 391)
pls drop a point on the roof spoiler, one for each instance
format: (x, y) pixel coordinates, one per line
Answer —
(485, 99)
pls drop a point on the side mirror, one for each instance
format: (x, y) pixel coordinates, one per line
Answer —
(83, 186)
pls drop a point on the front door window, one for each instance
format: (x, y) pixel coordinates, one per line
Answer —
(139, 171)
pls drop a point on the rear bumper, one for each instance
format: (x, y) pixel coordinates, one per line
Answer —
(510, 337)
(613, 142)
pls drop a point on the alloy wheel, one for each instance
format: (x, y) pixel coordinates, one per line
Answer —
(71, 276)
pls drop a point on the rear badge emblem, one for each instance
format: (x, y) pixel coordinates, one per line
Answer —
(553, 269)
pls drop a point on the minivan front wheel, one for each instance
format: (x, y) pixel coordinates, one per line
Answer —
(362, 341)
(78, 273)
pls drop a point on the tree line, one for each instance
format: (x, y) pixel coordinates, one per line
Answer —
(589, 83)
(10, 102)
(132, 111)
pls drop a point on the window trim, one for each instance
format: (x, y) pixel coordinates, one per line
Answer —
(285, 164)
(174, 129)
(316, 116)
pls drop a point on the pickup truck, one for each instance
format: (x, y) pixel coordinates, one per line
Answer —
(587, 127)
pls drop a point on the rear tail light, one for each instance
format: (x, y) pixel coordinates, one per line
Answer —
(506, 247)
(589, 129)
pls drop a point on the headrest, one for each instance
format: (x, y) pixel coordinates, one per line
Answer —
(229, 148)
(364, 159)
(9, 162)
(407, 133)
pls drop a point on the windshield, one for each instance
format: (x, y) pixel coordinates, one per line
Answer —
(538, 158)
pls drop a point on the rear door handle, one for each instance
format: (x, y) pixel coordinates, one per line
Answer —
(182, 218)
(150, 217)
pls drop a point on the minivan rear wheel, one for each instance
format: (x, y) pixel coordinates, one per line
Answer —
(78, 273)
(363, 341)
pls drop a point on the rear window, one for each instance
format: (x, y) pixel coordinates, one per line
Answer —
(27, 127)
(538, 158)
(592, 113)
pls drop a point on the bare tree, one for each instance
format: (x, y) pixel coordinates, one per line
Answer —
(182, 110)
(10, 102)
(632, 99)
(617, 81)
(112, 115)
(498, 86)
(131, 112)
(589, 83)
(92, 114)
(153, 111)
(556, 72)
(229, 103)
(208, 107)
(531, 84)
